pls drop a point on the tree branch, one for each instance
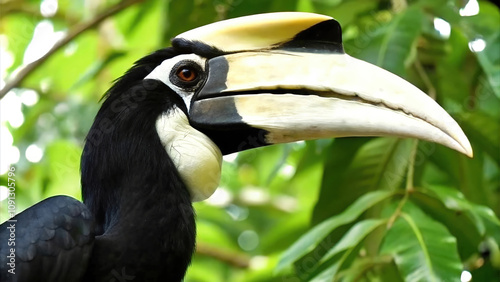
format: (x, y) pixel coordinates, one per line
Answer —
(72, 34)
(399, 5)
(231, 258)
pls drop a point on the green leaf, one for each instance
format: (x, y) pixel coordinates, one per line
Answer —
(92, 72)
(19, 30)
(147, 8)
(305, 6)
(489, 60)
(483, 217)
(239, 8)
(356, 168)
(65, 67)
(312, 238)
(399, 42)
(190, 13)
(484, 26)
(422, 248)
(63, 169)
(482, 130)
(345, 11)
(464, 173)
(354, 236)
(459, 223)
(363, 269)
(347, 244)
(339, 260)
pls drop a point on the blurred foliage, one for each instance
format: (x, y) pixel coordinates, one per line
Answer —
(352, 209)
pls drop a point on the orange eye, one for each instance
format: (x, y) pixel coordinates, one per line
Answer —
(186, 74)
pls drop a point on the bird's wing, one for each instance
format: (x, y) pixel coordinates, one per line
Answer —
(50, 241)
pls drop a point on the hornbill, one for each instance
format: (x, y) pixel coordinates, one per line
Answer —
(157, 142)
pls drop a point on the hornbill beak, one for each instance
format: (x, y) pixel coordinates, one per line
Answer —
(284, 77)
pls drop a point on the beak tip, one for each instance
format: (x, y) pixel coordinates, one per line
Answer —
(468, 152)
(465, 147)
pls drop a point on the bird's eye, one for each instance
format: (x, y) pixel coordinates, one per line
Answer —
(187, 74)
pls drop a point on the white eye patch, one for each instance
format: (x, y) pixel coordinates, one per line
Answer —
(162, 73)
(197, 159)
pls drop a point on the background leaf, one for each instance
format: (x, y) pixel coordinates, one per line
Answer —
(422, 248)
(313, 237)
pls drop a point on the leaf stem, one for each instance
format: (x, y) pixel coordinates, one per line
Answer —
(409, 184)
(411, 167)
(431, 90)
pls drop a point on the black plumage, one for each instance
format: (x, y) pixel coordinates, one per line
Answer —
(144, 217)
(135, 202)
(52, 241)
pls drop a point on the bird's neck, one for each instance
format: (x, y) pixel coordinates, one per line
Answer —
(151, 236)
(147, 228)
(144, 216)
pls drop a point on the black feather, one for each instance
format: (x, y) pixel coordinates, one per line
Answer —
(143, 211)
(137, 220)
(57, 232)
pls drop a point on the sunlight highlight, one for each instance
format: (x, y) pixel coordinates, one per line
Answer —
(287, 171)
(220, 198)
(443, 27)
(44, 38)
(477, 45)
(33, 153)
(29, 97)
(471, 9)
(259, 262)
(10, 110)
(10, 154)
(231, 158)
(255, 196)
(248, 240)
(4, 193)
(466, 276)
(48, 8)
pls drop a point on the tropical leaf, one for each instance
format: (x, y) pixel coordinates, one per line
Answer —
(356, 168)
(483, 130)
(483, 217)
(422, 248)
(347, 246)
(489, 41)
(398, 44)
(63, 169)
(459, 223)
(311, 239)
(490, 61)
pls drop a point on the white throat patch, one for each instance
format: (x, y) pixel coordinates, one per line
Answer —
(195, 156)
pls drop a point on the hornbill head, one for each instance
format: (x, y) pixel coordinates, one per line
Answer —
(275, 78)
